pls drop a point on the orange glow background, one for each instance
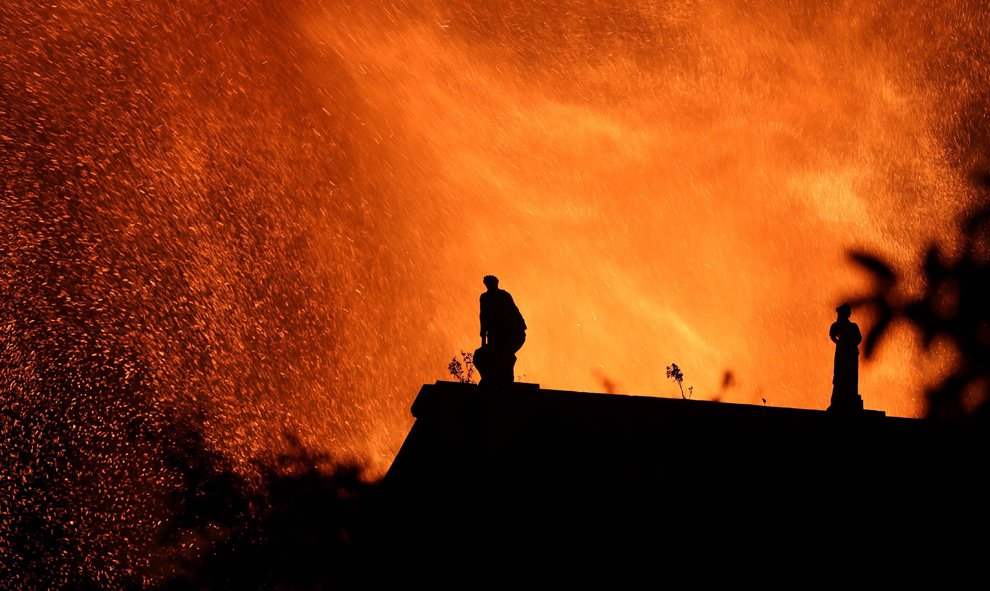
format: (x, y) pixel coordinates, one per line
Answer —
(276, 219)
(653, 183)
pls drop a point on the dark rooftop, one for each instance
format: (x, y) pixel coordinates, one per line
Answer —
(576, 468)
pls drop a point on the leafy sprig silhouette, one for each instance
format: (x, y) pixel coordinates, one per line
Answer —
(462, 369)
(675, 373)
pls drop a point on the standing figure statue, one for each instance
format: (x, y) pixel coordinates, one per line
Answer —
(845, 374)
(503, 332)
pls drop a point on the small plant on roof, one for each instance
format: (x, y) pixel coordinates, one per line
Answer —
(463, 372)
(675, 373)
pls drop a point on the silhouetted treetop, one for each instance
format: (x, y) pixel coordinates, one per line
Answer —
(954, 307)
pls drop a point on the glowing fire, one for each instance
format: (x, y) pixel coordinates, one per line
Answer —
(279, 219)
(652, 184)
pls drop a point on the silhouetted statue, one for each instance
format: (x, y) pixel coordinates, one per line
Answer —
(845, 374)
(503, 332)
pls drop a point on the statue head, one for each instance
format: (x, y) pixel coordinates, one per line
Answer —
(845, 310)
(491, 282)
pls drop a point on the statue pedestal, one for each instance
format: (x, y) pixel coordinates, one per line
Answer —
(495, 367)
(846, 405)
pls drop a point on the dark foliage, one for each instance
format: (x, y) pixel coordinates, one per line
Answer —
(954, 308)
(299, 525)
(462, 372)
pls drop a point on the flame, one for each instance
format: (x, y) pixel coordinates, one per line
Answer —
(278, 218)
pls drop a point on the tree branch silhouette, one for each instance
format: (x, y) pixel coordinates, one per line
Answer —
(954, 308)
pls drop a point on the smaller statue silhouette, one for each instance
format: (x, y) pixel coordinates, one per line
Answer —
(845, 373)
(503, 332)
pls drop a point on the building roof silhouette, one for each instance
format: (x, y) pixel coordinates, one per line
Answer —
(531, 466)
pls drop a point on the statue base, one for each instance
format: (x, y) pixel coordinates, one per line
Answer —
(845, 405)
(495, 367)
